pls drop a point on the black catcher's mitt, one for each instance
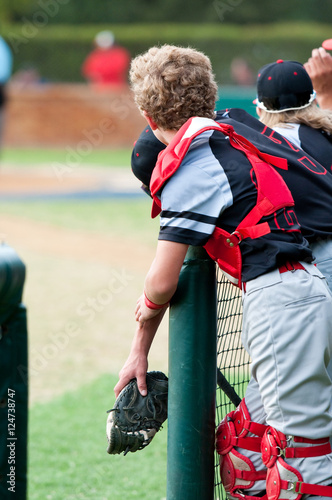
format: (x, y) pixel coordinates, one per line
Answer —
(135, 419)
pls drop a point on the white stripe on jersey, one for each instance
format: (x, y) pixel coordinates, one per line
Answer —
(185, 223)
(200, 186)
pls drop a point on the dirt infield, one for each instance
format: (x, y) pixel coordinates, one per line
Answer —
(80, 292)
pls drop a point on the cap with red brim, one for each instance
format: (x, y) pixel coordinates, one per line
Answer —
(327, 44)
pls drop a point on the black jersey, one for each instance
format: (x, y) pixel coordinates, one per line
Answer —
(310, 182)
(317, 143)
(214, 185)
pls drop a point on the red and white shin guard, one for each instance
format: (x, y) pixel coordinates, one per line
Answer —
(237, 471)
(282, 480)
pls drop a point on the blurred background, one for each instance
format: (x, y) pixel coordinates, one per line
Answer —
(50, 40)
(77, 217)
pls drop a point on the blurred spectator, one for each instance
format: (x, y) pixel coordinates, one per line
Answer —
(108, 63)
(241, 72)
(319, 67)
(6, 65)
(25, 76)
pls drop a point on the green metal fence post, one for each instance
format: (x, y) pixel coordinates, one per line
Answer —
(192, 381)
(13, 377)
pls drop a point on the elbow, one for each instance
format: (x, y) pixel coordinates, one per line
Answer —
(160, 289)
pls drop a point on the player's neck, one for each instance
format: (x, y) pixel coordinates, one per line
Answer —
(167, 136)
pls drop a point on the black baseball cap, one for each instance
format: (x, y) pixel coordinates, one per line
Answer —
(144, 155)
(284, 86)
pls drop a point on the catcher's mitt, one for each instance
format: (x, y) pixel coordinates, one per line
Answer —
(135, 419)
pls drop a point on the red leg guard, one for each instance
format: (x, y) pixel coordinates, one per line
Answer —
(284, 481)
(237, 471)
(244, 424)
(237, 474)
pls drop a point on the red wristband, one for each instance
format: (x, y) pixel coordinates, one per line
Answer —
(152, 305)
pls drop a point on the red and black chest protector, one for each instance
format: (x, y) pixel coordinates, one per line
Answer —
(272, 192)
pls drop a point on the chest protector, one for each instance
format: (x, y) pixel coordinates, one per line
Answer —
(272, 192)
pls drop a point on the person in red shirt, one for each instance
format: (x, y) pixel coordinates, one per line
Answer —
(108, 63)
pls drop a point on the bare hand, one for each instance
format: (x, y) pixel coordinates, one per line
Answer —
(136, 366)
(319, 68)
(142, 312)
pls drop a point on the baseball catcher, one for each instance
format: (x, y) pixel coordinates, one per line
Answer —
(135, 419)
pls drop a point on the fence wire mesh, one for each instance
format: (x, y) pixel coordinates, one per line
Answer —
(232, 360)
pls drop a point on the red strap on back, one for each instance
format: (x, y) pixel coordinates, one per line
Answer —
(170, 158)
(240, 142)
(272, 192)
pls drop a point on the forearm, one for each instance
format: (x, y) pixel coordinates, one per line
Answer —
(325, 100)
(160, 285)
(136, 364)
(145, 333)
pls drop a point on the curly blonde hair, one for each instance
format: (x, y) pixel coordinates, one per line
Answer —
(172, 84)
(313, 116)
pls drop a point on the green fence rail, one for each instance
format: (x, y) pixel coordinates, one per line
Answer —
(192, 381)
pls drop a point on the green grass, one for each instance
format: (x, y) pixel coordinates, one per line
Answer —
(34, 156)
(122, 217)
(68, 458)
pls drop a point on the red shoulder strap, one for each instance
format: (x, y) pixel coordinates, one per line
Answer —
(170, 158)
(269, 182)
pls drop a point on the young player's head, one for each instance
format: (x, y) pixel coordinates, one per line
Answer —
(171, 84)
(285, 95)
